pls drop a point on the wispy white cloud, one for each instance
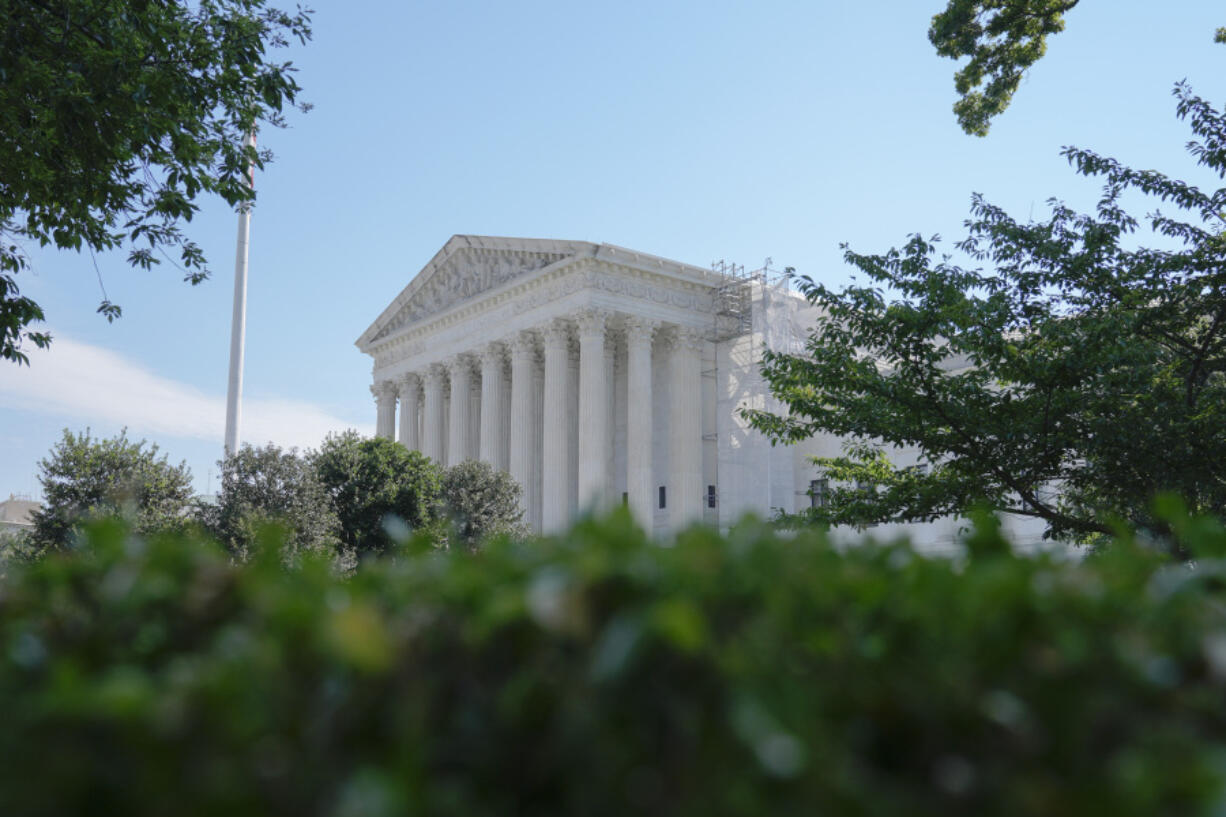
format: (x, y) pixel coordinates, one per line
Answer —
(84, 382)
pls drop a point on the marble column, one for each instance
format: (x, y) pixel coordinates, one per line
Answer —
(490, 438)
(639, 437)
(385, 409)
(685, 429)
(593, 410)
(572, 428)
(458, 443)
(410, 396)
(522, 459)
(555, 498)
(432, 424)
(611, 498)
(538, 436)
(474, 410)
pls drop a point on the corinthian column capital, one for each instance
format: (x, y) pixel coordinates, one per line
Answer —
(409, 384)
(640, 328)
(688, 338)
(435, 373)
(523, 345)
(384, 390)
(461, 364)
(556, 334)
(494, 354)
(592, 321)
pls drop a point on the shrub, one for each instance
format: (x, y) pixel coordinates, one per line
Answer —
(370, 480)
(598, 673)
(262, 487)
(481, 502)
(84, 478)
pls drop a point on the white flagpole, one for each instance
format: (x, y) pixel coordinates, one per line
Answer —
(238, 321)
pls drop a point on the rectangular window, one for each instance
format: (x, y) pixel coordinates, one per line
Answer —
(625, 498)
(662, 502)
(710, 496)
(867, 487)
(819, 493)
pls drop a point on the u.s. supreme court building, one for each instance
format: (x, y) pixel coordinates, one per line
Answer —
(595, 375)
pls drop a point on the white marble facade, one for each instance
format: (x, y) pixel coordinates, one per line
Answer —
(597, 375)
(576, 367)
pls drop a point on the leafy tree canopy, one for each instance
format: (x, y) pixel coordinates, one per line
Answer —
(1002, 38)
(1072, 381)
(481, 502)
(83, 478)
(596, 673)
(369, 480)
(270, 486)
(115, 117)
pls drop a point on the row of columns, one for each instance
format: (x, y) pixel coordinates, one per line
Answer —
(542, 389)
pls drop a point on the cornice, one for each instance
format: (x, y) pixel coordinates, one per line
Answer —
(551, 284)
(498, 251)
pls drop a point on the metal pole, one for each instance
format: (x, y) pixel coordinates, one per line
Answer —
(238, 321)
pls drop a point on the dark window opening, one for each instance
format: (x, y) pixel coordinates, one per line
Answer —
(662, 502)
(819, 493)
(867, 487)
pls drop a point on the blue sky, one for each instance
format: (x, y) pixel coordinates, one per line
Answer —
(695, 131)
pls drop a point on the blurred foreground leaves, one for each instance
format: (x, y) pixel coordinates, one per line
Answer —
(598, 673)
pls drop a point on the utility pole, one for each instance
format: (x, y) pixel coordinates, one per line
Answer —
(238, 321)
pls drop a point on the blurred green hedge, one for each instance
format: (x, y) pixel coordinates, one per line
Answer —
(751, 673)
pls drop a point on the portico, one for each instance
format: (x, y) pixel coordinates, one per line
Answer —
(598, 375)
(530, 371)
(576, 367)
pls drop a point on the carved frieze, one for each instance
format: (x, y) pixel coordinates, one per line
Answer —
(603, 277)
(464, 275)
(699, 300)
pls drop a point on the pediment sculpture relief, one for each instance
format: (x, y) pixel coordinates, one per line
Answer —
(466, 275)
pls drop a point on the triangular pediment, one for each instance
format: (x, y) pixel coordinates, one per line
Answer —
(463, 269)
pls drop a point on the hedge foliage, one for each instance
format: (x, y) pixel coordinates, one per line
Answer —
(751, 673)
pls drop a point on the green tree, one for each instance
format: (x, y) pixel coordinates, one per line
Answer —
(84, 478)
(115, 117)
(370, 480)
(480, 501)
(270, 486)
(1072, 382)
(1002, 38)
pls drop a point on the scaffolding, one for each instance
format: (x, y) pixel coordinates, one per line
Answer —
(732, 301)
(733, 297)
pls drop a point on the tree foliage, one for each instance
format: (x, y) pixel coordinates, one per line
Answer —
(1002, 38)
(599, 674)
(1073, 381)
(116, 117)
(83, 478)
(373, 480)
(480, 502)
(262, 487)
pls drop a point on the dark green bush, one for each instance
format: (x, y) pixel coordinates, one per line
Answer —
(368, 480)
(85, 478)
(480, 502)
(600, 674)
(273, 486)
